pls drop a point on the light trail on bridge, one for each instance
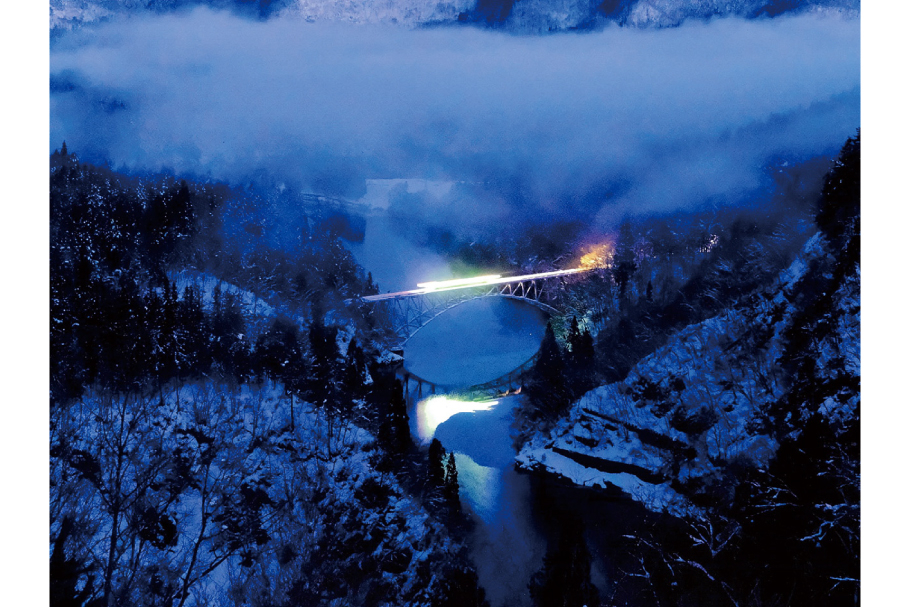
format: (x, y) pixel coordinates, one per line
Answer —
(469, 283)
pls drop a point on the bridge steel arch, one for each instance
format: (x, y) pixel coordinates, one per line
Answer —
(410, 313)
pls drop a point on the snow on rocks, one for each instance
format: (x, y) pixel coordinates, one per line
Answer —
(688, 409)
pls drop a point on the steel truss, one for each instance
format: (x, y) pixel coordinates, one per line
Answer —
(410, 313)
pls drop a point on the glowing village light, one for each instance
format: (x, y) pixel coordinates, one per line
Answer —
(437, 409)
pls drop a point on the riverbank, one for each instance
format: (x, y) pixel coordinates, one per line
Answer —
(518, 513)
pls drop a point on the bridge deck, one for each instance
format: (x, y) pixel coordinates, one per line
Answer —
(486, 283)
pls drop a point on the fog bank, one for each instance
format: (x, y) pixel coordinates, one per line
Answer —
(582, 125)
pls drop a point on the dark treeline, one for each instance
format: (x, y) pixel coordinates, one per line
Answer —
(191, 434)
(561, 374)
(782, 534)
(119, 320)
(670, 273)
(667, 250)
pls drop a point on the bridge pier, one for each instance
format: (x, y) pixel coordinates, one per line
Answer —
(408, 378)
(407, 389)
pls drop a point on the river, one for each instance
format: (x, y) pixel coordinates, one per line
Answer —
(470, 344)
(475, 342)
(516, 513)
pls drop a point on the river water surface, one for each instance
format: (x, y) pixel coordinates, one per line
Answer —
(505, 545)
(475, 342)
(516, 514)
(472, 343)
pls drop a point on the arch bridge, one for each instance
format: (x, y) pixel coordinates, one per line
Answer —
(410, 311)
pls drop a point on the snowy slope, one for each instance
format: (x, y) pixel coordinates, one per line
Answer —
(65, 14)
(669, 13)
(323, 502)
(688, 409)
(401, 12)
(207, 284)
(525, 16)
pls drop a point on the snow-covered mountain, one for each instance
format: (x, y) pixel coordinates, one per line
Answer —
(691, 408)
(174, 485)
(521, 16)
(740, 434)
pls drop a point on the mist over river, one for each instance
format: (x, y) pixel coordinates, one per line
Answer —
(506, 545)
(472, 343)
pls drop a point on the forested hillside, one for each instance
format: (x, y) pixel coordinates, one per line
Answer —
(741, 429)
(225, 428)
(525, 16)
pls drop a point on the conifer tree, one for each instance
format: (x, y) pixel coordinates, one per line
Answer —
(279, 355)
(354, 372)
(565, 578)
(194, 332)
(838, 214)
(435, 465)
(573, 338)
(584, 358)
(548, 392)
(394, 433)
(323, 387)
(624, 258)
(450, 490)
(371, 287)
(550, 365)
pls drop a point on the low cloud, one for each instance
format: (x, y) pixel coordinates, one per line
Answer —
(588, 126)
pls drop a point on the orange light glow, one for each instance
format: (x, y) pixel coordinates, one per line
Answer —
(598, 256)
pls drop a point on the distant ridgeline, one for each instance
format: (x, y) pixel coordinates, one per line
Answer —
(526, 16)
(741, 428)
(223, 428)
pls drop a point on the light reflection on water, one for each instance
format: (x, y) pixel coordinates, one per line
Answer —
(479, 485)
(505, 546)
(435, 410)
(475, 342)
